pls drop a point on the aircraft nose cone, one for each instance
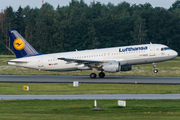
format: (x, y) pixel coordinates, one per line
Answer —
(175, 54)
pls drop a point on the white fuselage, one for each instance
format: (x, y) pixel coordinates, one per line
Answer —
(127, 55)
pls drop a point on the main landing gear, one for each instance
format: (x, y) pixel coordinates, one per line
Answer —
(155, 70)
(93, 75)
(101, 74)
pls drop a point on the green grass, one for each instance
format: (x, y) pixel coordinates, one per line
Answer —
(169, 68)
(82, 109)
(67, 88)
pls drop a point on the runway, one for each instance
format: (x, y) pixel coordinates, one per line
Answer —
(87, 79)
(89, 97)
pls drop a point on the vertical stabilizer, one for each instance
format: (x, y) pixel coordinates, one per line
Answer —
(21, 47)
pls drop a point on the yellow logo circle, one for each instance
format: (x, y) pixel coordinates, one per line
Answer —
(19, 44)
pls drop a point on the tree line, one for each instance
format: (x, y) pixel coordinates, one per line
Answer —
(81, 26)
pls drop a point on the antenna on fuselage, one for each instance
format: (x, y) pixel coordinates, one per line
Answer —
(150, 43)
(76, 49)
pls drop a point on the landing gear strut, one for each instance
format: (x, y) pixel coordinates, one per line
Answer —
(101, 74)
(155, 70)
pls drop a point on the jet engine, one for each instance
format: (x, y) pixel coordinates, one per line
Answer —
(112, 67)
(126, 67)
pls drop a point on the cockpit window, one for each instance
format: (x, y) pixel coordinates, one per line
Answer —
(165, 48)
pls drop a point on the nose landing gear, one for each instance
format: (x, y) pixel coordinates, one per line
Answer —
(155, 70)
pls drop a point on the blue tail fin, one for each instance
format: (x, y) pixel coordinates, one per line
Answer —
(21, 47)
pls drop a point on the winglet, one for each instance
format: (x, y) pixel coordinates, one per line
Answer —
(21, 47)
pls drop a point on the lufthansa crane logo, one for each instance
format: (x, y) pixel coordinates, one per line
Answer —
(19, 44)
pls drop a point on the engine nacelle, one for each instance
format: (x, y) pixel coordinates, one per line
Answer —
(126, 67)
(112, 67)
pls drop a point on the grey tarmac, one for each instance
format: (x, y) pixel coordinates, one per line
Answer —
(95, 96)
(87, 79)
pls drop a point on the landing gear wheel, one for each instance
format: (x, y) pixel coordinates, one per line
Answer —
(93, 75)
(101, 74)
(155, 71)
(154, 66)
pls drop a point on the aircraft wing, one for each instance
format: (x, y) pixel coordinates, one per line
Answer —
(81, 61)
(90, 63)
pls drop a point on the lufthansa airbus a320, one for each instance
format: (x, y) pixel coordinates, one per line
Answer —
(104, 60)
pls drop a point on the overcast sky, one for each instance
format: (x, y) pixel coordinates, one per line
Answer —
(38, 3)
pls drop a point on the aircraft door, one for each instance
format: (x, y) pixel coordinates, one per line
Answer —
(40, 62)
(152, 50)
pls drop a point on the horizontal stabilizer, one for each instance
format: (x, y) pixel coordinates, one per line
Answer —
(17, 61)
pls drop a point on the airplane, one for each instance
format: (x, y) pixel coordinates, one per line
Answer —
(110, 60)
